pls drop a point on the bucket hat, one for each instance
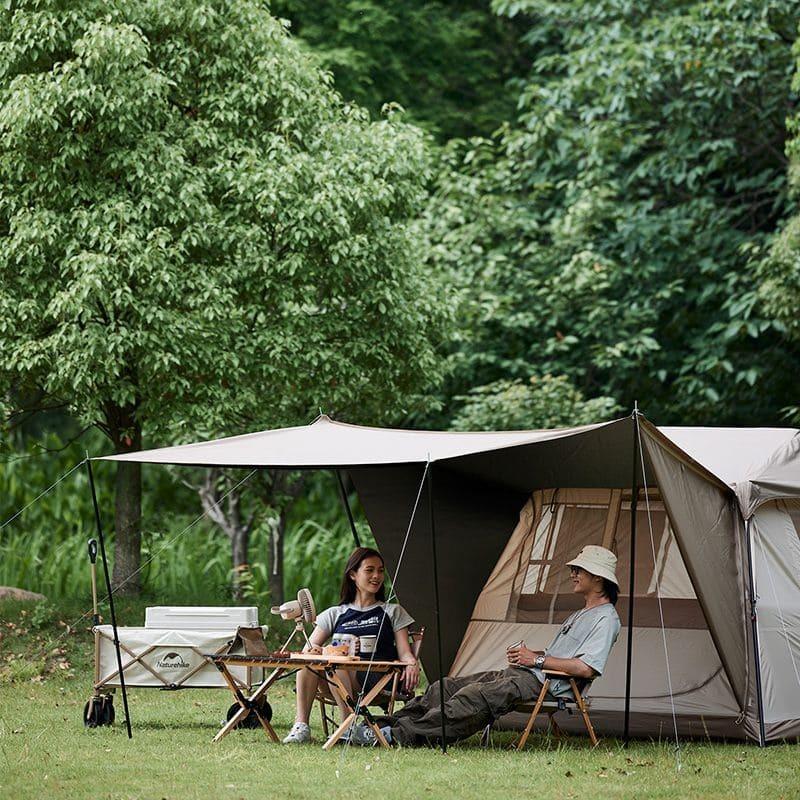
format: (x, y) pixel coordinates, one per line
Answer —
(597, 560)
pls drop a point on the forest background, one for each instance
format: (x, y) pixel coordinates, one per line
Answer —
(221, 217)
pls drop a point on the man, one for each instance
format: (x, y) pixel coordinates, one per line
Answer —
(580, 649)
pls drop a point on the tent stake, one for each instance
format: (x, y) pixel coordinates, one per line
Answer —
(110, 595)
(762, 736)
(436, 603)
(631, 580)
(346, 502)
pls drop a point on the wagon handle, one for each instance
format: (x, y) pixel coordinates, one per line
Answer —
(92, 547)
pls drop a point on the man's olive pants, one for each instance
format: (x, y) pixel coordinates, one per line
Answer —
(471, 703)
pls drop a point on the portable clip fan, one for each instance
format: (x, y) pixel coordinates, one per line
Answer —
(301, 611)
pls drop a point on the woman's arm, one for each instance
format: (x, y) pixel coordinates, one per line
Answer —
(411, 672)
(318, 638)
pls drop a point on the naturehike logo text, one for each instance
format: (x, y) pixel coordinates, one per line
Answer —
(172, 661)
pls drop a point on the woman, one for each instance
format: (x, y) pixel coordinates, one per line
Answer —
(363, 611)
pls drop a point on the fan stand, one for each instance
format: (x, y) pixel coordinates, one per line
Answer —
(299, 627)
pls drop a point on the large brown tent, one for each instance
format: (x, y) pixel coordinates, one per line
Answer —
(713, 509)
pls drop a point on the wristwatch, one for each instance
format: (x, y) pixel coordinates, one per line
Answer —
(539, 661)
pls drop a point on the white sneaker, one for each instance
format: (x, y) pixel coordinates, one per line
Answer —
(299, 734)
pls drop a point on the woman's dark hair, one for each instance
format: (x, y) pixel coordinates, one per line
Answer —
(611, 591)
(348, 592)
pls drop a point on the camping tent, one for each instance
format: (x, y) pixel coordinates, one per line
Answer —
(702, 514)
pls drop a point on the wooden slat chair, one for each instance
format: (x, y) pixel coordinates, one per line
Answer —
(552, 705)
(386, 699)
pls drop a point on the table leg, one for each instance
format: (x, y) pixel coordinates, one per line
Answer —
(339, 688)
(339, 732)
(368, 698)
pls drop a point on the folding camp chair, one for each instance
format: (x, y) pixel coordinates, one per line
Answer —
(552, 705)
(386, 699)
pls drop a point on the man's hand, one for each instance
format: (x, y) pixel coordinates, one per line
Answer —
(522, 657)
(410, 677)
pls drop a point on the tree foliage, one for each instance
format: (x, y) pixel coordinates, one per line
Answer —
(448, 64)
(779, 271)
(546, 402)
(196, 234)
(611, 234)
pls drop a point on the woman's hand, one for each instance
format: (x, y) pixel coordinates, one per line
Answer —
(315, 641)
(410, 678)
(522, 657)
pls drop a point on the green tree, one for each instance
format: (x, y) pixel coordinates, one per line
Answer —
(448, 64)
(608, 235)
(546, 402)
(779, 271)
(197, 235)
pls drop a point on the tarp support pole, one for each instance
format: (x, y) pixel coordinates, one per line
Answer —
(436, 603)
(346, 503)
(631, 580)
(762, 736)
(110, 596)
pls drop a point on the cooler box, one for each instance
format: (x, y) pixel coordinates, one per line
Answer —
(201, 618)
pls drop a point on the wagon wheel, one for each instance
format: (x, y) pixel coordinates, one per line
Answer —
(93, 712)
(99, 711)
(251, 720)
(108, 710)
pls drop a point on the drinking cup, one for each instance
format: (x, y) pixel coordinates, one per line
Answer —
(345, 639)
(367, 644)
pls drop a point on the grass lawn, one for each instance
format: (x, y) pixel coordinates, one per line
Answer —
(46, 752)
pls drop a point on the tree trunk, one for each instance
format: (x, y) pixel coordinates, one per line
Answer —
(126, 578)
(275, 559)
(222, 505)
(284, 487)
(240, 542)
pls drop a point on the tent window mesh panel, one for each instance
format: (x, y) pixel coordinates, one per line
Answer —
(567, 523)
(792, 508)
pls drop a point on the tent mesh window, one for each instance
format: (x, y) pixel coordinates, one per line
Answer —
(792, 508)
(566, 520)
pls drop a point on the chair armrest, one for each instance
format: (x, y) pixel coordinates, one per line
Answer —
(583, 684)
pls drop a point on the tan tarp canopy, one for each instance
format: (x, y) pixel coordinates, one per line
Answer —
(481, 483)
(325, 443)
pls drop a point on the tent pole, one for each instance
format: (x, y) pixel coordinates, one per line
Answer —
(437, 609)
(631, 580)
(110, 595)
(762, 736)
(346, 502)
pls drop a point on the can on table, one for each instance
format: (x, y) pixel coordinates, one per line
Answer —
(348, 639)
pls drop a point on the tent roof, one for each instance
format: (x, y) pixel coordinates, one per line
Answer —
(327, 443)
(732, 455)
